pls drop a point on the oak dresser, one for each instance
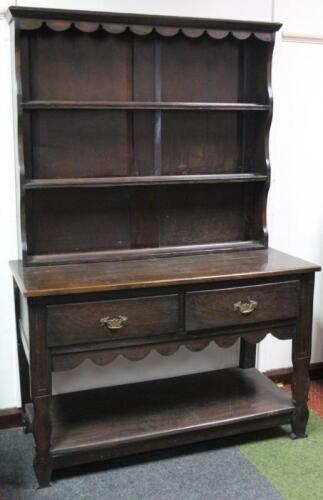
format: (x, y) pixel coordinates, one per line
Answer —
(143, 173)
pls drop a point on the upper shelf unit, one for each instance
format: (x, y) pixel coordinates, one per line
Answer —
(171, 115)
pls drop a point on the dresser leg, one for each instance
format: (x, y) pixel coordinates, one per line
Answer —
(42, 432)
(43, 472)
(41, 390)
(300, 388)
(301, 355)
(247, 354)
(23, 364)
(24, 384)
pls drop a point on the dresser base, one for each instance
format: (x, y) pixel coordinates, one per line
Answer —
(169, 304)
(118, 421)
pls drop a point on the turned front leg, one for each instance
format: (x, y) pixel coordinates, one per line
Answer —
(42, 432)
(301, 355)
(300, 388)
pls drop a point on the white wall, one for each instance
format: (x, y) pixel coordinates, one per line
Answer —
(230, 9)
(295, 200)
(294, 210)
(9, 393)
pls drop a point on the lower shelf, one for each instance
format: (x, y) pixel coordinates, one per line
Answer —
(121, 420)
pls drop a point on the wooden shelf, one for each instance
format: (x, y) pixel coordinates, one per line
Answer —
(135, 253)
(180, 406)
(153, 105)
(139, 181)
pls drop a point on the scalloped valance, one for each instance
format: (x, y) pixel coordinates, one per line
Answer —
(67, 361)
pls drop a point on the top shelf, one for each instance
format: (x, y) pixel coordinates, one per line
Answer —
(153, 105)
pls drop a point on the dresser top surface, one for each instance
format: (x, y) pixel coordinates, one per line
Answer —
(38, 281)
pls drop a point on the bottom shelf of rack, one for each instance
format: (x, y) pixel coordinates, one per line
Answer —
(104, 423)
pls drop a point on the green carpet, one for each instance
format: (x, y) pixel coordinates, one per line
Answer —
(294, 468)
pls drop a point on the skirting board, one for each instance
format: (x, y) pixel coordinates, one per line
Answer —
(11, 417)
(284, 375)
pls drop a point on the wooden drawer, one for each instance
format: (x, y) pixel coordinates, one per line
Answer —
(82, 322)
(242, 305)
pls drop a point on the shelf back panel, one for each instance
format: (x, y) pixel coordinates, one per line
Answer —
(73, 143)
(89, 220)
(73, 65)
(200, 143)
(214, 63)
(104, 143)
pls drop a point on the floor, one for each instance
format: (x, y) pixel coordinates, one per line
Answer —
(259, 466)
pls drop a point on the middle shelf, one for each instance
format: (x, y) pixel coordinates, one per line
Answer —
(146, 105)
(87, 182)
(169, 145)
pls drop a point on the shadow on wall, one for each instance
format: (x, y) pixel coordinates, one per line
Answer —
(154, 366)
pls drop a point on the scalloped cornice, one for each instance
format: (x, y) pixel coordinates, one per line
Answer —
(115, 23)
(142, 30)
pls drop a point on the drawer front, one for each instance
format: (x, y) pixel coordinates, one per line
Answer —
(89, 322)
(242, 305)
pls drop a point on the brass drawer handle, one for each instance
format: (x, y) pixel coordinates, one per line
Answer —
(114, 323)
(245, 307)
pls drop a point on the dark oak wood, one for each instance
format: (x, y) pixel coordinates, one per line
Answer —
(215, 308)
(144, 173)
(164, 217)
(81, 322)
(301, 356)
(87, 182)
(65, 460)
(160, 120)
(34, 14)
(41, 390)
(102, 353)
(24, 375)
(11, 417)
(212, 106)
(143, 253)
(107, 276)
(247, 356)
(152, 410)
